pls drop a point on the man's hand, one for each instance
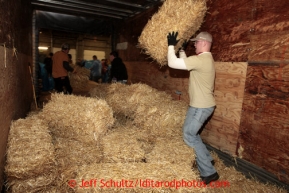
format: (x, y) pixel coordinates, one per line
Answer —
(184, 45)
(172, 39)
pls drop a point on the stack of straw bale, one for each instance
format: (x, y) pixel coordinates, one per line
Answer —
(77, 124)
(184, 16)
(78, 118)
(147, 106)
(151, 109)
(80, 78)
(85, 149)
(31, 164)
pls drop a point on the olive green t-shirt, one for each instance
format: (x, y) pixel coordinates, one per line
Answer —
(201, 81)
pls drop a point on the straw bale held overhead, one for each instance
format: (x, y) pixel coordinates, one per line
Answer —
(184, 16)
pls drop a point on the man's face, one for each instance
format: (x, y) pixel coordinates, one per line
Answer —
(198, 46)
(66, 51)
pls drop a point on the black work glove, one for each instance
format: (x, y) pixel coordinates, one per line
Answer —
(185, 44)
(172, 39)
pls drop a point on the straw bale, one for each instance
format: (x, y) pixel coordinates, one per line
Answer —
(125, 126)
(172, 150)
(74, 153)
(64, 176)
(83, 119)
(30, 151)
(184, 16)
(135, 174)
(117, 99)
(99, 91)
(164, 118)
(121, 145)
(80, 78)
(40, 183)
(126, 99)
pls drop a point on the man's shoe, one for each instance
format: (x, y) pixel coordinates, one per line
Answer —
(210, 178)
(194, 163)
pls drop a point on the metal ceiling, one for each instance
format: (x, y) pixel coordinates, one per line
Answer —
(101, 9)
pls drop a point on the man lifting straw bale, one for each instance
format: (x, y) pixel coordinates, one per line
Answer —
(202, 102)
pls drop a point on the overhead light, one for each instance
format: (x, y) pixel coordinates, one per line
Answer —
(42, 48)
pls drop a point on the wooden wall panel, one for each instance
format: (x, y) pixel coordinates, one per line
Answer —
(270, 46)
(248, 30)
(222, 130)
(264, 128)
(15, 84)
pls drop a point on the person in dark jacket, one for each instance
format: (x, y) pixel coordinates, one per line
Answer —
(48, 64)
(118, 72)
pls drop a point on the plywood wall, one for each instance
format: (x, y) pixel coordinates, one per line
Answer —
(222, 131)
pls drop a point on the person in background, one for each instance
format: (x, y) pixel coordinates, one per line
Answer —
(48, 64)
(70, 60)
(60, 69)
(105, 70)
(201, 94)
(95, 70)
(118, 72)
